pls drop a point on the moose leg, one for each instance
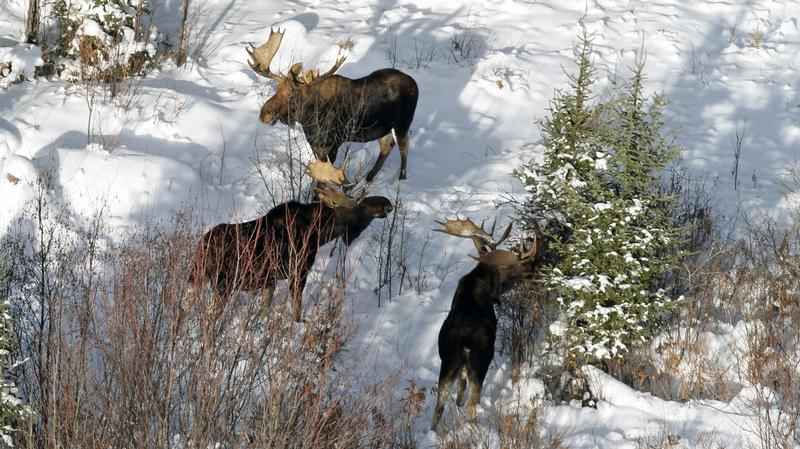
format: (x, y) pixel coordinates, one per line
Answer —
(219, 298)
(386, 143)
(477, 367)
(266, 299)
(402, 142)
(451, 366)
(462, 385)
(296, 286)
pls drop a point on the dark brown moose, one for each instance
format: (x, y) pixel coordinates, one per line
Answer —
(283, 244)
(333, 109)
(466, 339)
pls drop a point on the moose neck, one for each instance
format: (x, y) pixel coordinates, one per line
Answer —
(480, 287)
(325, 114)
(488, 282)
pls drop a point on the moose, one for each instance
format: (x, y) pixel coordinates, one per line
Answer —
(283, 244)
(333, 109)
(466, 339)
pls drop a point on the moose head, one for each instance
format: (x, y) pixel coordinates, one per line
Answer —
(510, 264)
(293, 88)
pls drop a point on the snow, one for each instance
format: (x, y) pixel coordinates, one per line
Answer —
(189, 138)
(23, 59)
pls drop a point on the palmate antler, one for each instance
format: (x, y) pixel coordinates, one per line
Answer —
(261, 56)
(311, 76)
(324, 171)
(509, 257)
(330, 181)
(484, 241)
(486, 244)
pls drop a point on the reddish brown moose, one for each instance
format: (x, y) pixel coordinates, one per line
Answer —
(252, 256)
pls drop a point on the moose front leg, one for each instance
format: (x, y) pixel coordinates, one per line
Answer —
(297, 283)
(477, 367)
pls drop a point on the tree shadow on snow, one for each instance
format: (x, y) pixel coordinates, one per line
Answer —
(724, 93)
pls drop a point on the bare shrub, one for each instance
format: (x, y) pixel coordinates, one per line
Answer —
(467, 45)
(514, 426)
(282, 173)
(665, 439)
(122, 355)
(523, 315)
(769, 305)
(392, 253)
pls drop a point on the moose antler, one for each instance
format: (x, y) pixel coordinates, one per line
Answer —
(313, 76)
(510, 257)
(340, 58)
(324, 171)
(334, 198)
(261, 56)
(463, 228)
(330, 179)
(483, 240)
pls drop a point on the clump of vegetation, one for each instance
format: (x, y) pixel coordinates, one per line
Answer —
(611, 237)
(101, 39)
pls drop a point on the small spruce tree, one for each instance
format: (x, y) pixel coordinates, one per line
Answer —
(608, 225)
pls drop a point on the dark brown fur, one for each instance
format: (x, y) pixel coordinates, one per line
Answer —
(466, 339)
(283, 244)
(336, 109)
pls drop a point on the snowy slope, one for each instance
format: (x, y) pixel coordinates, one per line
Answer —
(189, 138)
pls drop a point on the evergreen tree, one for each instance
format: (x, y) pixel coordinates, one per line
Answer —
(597, 189)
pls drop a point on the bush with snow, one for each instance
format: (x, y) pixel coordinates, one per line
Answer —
(599, 185)
(18, 62)
(101, 36)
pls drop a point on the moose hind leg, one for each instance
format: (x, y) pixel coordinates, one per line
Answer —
(402, 143)
(386, 144)
(462, 386)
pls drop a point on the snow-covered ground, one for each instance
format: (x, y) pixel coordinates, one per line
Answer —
(190, 138)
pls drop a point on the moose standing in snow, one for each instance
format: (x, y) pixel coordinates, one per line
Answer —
(466, 339)
(333, 109)
(283, 244)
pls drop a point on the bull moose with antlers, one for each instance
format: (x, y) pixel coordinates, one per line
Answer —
(466, 339)
(333, 109)
(283, 244)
